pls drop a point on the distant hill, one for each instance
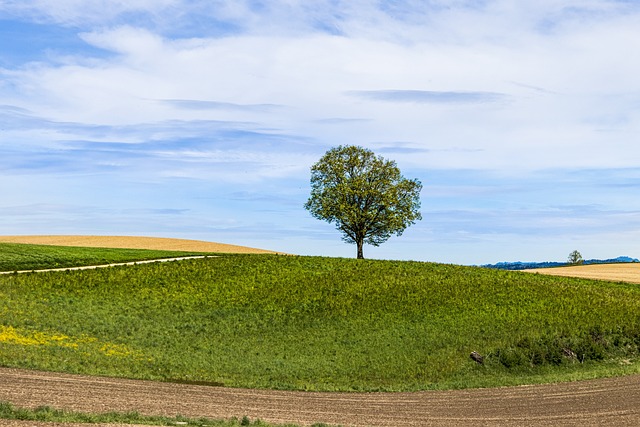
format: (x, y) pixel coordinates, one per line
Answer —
(132, 242)
(529, 265)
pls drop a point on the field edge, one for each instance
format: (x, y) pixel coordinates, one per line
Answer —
(133, 242)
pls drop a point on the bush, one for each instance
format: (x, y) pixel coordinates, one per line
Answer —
(595, 345)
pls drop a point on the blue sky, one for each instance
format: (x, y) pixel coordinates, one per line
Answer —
(201, 119)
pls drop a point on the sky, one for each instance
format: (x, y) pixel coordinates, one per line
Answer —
(201, 119)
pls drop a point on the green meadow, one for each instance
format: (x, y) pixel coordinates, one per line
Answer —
(313, 323)
(16, 256)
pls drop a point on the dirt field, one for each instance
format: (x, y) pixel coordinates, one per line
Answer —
(132, 242)
(614, 402)
(628, 272)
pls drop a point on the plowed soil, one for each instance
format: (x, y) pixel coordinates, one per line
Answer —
(610, 402)
(133, 242)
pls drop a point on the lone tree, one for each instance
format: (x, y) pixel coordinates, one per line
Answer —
(364, 195)
(575, 258)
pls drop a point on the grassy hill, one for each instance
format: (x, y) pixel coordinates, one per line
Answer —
(16, 257)
(312, 323)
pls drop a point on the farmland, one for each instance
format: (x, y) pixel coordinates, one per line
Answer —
(15, 257)
(312, 323)
(133, 242)
(627, 272)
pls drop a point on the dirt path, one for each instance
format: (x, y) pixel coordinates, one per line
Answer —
(614, 401)
(93, 267)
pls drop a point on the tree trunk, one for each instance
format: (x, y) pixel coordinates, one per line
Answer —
(360, 244)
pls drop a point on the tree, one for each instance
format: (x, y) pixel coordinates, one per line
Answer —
(575, 258)
(365, 196)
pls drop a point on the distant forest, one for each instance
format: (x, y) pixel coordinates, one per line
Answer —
(527, 265)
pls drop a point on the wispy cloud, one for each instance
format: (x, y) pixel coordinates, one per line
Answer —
(515, 116)
(341, 120)
(430, 97)
(400, 148)
(185, 18)
(191, 104)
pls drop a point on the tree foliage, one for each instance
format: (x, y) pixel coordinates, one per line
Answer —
(364, 195)
(575, 258)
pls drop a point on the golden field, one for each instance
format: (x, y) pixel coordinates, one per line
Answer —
(625, 272)
(134, 242)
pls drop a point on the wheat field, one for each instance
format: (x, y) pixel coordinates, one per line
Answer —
(625, 272)
(134, 242)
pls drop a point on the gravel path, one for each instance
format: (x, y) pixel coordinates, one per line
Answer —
(614, 401)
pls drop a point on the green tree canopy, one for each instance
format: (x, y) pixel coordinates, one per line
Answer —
(575, 258)
(364, 195)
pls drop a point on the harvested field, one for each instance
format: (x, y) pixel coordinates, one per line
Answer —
(134, 242)
(629, 272)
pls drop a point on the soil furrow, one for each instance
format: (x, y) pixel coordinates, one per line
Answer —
(613, 401)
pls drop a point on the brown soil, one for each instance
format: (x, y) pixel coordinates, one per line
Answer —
(614, 401)
(17, 423)
(628, 272)
(132, 242)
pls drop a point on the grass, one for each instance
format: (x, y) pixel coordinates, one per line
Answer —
(311, 323)
(48, 414)
(15, 256)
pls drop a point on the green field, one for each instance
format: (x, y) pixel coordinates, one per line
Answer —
(16, 257)
(311, 323)
(52, 415)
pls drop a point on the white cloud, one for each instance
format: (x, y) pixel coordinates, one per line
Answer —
(250, 93)
(81, 12)
(129, 41)
(581, 73)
